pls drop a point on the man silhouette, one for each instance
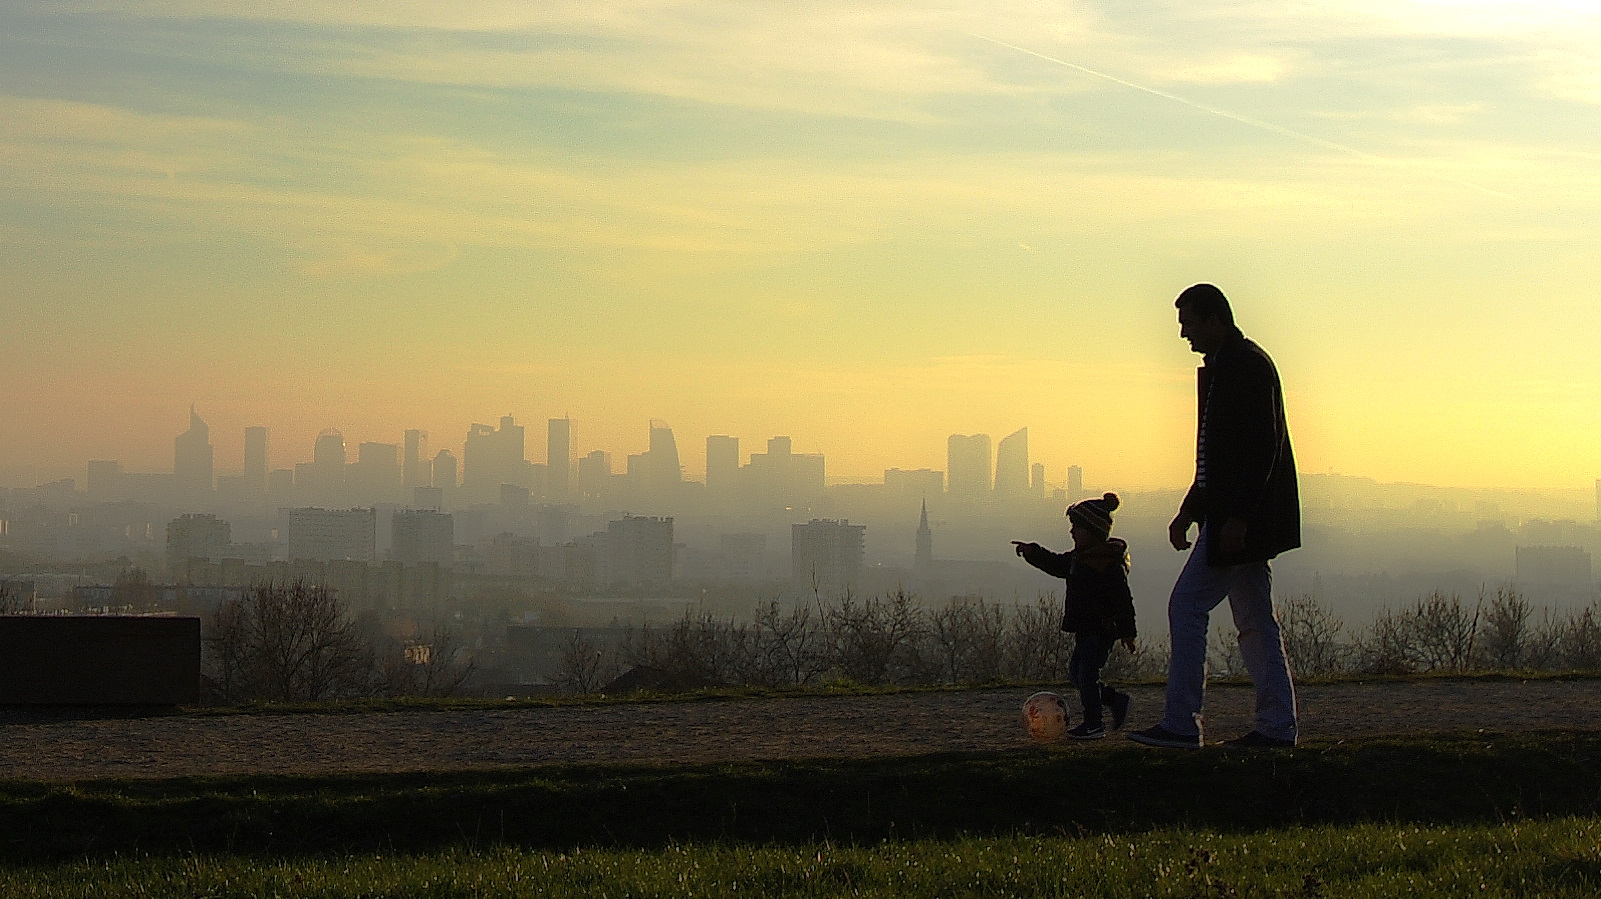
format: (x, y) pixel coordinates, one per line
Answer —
(1245, 500)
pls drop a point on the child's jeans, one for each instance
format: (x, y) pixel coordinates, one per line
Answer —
(1090, 652)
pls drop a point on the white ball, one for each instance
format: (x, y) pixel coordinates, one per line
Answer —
(1045, 713)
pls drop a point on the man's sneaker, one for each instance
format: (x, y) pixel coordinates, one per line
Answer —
(1258, 740)
(1119, 704)
(1161, 736)
(1087, 731)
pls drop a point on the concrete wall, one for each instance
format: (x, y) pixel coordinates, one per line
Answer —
(99, 660)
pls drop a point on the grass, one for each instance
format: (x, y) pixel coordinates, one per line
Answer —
(1547, 858)
(1469, 779)
(1437, 816)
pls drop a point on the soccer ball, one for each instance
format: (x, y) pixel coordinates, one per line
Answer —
(1045, 713)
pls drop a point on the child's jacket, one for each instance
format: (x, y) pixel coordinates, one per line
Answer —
(1098, 598)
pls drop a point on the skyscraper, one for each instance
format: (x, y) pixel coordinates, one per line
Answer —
(594, 474)
(1075, 483)
(664, 467)
(639, 551)
(925, 542)
(1011, 467)
(922, 482)
(192, 458)
(327, 470)
(559, 460)
(1036, 479)
(332, 534)
(195, 536)
(375, 478)
(968, 466)
(722, 464)
(423, 536)
(656, 472)
(256, 461)
(493, 457)
(782, 477)
(444, 473)
(826, 554)
(417, 468)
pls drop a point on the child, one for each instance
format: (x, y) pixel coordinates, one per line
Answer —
(1099, 609)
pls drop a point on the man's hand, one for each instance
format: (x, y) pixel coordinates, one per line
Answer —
(1022, 547)
(1128, 644)
(1233, 536)
(1178, 533)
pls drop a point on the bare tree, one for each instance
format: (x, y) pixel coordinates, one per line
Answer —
(1504, 641)
(431, 666)
(288, 643)
(1312, 636)
(1579, 640)
(585, 666)
(968, 640)
(1036, 647)
(1386, 647)
(1435, 633)
(791, 649)
(1147, 662)
(1223, 656)
(871, 640)
(1443, 633)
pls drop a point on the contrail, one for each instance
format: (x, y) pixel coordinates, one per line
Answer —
(1243, 119)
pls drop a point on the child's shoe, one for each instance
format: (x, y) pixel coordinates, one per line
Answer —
(1088, 731)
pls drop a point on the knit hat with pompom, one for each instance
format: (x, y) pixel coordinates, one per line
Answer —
(1095, 514)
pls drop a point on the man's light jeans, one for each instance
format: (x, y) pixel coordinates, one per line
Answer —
(1249, 589)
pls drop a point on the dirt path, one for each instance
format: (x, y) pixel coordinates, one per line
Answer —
(670, 733)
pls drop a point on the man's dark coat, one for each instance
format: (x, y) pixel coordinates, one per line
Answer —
(1250, 471)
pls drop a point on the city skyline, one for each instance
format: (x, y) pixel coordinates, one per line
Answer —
(254, 446)
(871, 224)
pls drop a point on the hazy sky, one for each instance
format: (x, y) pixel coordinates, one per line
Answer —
(865, 225)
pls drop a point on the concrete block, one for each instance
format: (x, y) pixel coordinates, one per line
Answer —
(99, 660)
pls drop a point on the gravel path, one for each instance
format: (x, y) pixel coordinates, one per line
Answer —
(670, 733)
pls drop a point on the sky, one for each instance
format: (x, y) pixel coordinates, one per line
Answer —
(865, 225)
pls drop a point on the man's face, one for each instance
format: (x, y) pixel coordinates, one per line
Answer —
(1205, 333)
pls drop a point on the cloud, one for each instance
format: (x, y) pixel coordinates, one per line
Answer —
(1572, 76)
(877, 60)
(407, 201)
(1243, 68)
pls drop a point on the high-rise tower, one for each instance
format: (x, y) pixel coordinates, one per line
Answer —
(656, 472)
(1011, 467)
(925, 542)
(416, 469)
(444, 473)
(722, 464)
(968, 466)
(192, 458)
(327, 467)
(559, 460)
(493, 457)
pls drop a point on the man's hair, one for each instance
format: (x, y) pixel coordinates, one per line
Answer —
(1207, 301)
